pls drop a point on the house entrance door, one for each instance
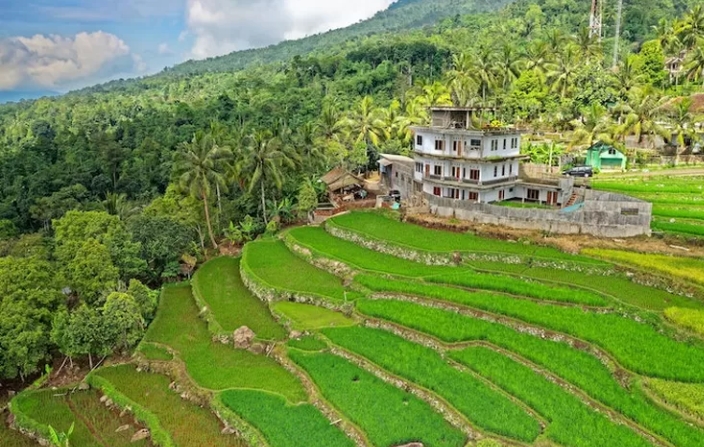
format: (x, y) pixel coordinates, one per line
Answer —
(552, 198)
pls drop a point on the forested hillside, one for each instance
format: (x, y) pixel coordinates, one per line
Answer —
(110, 188)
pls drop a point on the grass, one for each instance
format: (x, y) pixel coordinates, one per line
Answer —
(652, 185)
(212, 365)
(572, 423)
(419, 238)
(94, 424)
(637, 346)
(219, 284)
(154, 352)
(688, 269)
(272, 263)
(305, 317)
(12, 438)
(683, 228)
(687, 397)
(388, 415)
(482, 405)
(280, 423)
(620, 287)
(360, 258)
(679, 211)
(687, 318)
(521, 287)
(188, 424)
(309, 343)
(577, 367)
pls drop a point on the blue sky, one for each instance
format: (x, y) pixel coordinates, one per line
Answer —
(60, 45)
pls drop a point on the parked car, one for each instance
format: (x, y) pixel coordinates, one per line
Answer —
(580, 171)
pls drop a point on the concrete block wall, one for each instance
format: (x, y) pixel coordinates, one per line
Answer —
(603, 215)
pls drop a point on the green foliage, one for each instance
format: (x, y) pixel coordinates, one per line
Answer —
(419, 238)
(638, 346)
(218, 284)
(60, 439)
(145, 298)
(308, 343)
(272, 263)
(213, 365)
(123, 324)
(483, 406)
(388, 415)
(687, 318)
(90, 273)
(686, 397)
(163, 240)
(282, 424)
(571, 422)
(171, 420)
(304, 317)
(520, 287)
(155, 352)
(577, 367)
(684, 268)
(24, 338)
(8, 230)
(650, 63)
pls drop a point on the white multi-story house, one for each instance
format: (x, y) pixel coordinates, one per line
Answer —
(454, 160)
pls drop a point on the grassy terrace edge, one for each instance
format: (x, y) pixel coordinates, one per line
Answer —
(426, 254)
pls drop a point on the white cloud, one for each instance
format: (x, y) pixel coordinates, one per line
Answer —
(164, 49)
(55, 61)
(221, 26)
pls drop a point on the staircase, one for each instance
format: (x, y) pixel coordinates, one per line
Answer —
(573, 200)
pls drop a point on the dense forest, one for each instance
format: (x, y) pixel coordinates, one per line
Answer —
(106, 191)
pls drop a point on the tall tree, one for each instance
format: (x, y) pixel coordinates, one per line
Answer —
(200, 166)
(266, 159)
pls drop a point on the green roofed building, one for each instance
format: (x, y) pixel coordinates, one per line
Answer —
(605, 157)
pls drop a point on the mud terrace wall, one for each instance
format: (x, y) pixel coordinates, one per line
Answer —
(602, 214)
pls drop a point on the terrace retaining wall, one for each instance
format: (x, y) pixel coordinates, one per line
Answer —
(602, 214)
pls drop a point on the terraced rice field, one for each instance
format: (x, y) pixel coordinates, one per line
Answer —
(678, 202)
(507, 344)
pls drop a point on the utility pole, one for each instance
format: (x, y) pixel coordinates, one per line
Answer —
(596, 19)
(617, 40)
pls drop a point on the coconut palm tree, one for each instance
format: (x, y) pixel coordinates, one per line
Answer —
(366, 123)
(625, 78)
(200, 166)
(695, 64)
(563, 72)
(536, 56)
(592, 127)
(643, 114)
(681, 121)
(691, 29)
(266, 156)
(484, 71)
(508, 65)
(669, 40)
(588, 45)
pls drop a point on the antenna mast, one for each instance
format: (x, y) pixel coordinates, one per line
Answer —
(619, 18)
(595, 20)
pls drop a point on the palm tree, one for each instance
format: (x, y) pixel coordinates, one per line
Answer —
(592, 127)
(563, 72)
(625, 78)
(366, 123)
(691, 29)
(200, 166)
(508, 65)
(556, 40)
(645, 108)
(484, 71)
(695, 65)
(669, 40)
(682, 122)
(265, 158)
(588, 45)
(536, 56)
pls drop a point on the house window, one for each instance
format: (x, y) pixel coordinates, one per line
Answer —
(456, 172)
(437, 170)
(474, 174)
(473, 196)
(496, 171)
(456, 145)
(612, 151)
(503, 171)
(396, 175)
(475, 144)
(505, 143)
(510, 169)
(502, 194)
(419, 140)
(439, 145)
(494, 145)
(419, 167)
(437, 191)
(533, 194)
(514, 143)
